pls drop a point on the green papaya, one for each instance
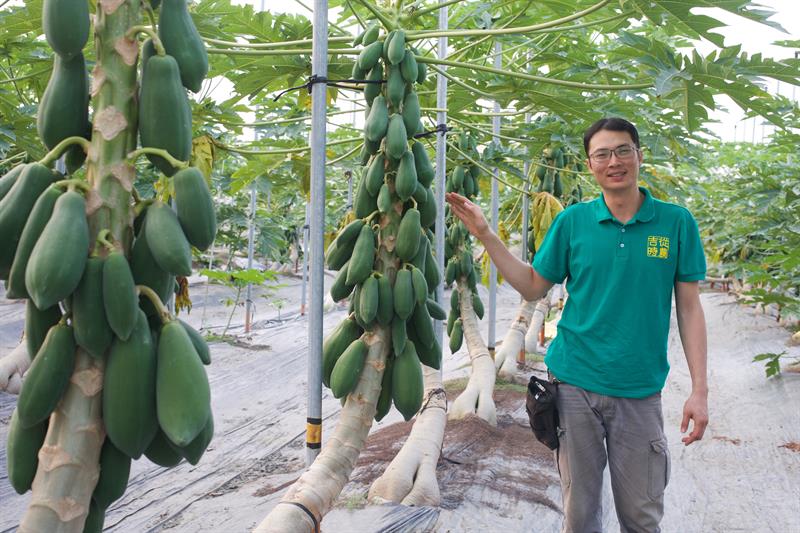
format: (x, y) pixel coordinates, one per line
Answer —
(64, 107)
(403, 294)
(48, 376)
(195, 207)
(385, 301)
(395, 88)
(451, 272)
(432, 276)
(408, 67)
(385, 397)
(9, 179)
(386, 43)
(357, 73)
(406, 179)
(66, 25)
(430, 356)
(167, 241)
(199, 343)
(193, 451)
(37, 324)
(371, 34)
(369, 55)
(129, 390)
(182, 392)
(458, 177)
(347, 369)
(419, 285)
(456, 336)
(376, 126)
(363, 257)
(385, 203)
(15, 207)
(411, 113)
(422, 72)
(340, 289)
(408, 235)
(92, 331)
(399, 335)
(364, 203)
(397, 48)
(37, 220)
(372, 90)
(337, 256)
(115, 468)
(477, 305)
(451, 319)
(95, 519)
(420, 194)
(454, 302)
(368, 300)
(436, 311)
(165, 118)
(419, 259)
(375, 174)
(22, 452)
(146, 271)
(423, 325)
(425, 171)
(161, 452)
(558, 189)
(407, 384)
(120, 300)
(337, 342)
(396, 143)
(182, 41)
(427, 210)
(59, 256)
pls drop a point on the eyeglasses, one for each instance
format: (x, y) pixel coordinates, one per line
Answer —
(602, 155)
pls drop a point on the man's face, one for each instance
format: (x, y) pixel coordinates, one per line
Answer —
(614, 171)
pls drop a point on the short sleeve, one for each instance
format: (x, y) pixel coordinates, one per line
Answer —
(552, 258)
(691, 258)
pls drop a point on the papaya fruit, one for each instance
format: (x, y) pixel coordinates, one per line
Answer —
(558, 188)
(456, 336)
(432, 276)
(477, 305)
(363, 257)
(368, 300)
(395, 88)
(371, 34)
(182, 391)
(48, 376)
(425, 171)
(199, 343)
(167, 241)
(193, 451)
(146, 271)
(340, 289)
(95, 519)
(385, 397)
(385, 203)
(129, 390)
(364, 203)
(407, 384)
(451, 272)
(408, 235)
(22, 452)
(37, 324)
(371, 147)
(336, 343)
(59, 256)
(162, 452)
(64, 107)
(451, 319)
(420, 195)
(423, 325)
(396, 50)
(375, 174)
(430, 356)
(454, 302)
(66, 25)
(337, 256)
(37, 220)
(347, 369)
(120, 300)
(165, 118)
(195, 208)
(405, 182)
(92, 331)
(427, 210)
(396, 143)
(419, 259)
(369, 55)
(385, 301)
(411, 113)
(408, 67)
(422, 72)
(377, 123)
(372, 90)
(115, 469)
(15, 207)
(386, 43)
(419, 286)
(399, 335)
(403, 294)
(357, 73)
(182, 41)
(9, 179)
(436, 311)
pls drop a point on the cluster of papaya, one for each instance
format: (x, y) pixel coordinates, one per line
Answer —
(384, 256)
(458, 253)
(86, 292)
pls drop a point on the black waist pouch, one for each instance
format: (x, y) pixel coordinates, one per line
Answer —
(540, 403)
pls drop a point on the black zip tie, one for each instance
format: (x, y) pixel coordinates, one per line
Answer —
(322, 79)
(440, 128)
(308, 512)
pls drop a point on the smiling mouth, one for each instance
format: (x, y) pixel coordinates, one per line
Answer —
(616, 174)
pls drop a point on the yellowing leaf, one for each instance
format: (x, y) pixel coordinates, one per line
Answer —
(203, 155)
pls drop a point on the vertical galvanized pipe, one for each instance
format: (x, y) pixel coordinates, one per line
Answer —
(304, 248)
(251, 235)
(495, 208)
(319, 67)
(526, 202)
(441, 167)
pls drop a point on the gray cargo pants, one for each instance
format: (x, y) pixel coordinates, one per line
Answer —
(629, 435)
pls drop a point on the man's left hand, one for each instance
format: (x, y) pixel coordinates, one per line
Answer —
(696, 409)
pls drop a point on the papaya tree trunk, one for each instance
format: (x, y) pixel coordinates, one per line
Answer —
(537, 321)
(410, 478)
(12, 368)
(505, 359)
(476, 399)
(68, 461)
(320, 485)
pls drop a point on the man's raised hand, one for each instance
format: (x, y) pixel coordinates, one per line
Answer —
(469, 213)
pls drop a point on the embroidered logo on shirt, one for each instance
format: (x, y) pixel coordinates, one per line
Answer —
(658, 246)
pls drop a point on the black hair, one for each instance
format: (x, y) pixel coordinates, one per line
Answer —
(612, 124)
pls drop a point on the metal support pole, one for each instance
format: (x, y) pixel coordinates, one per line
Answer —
(304, 248)
(495, 208)
(319, 68)
(251, 234)
(526, 202)
(441, 168)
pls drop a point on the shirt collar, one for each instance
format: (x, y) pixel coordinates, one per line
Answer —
(645, 213)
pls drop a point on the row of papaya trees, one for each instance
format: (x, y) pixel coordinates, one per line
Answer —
(385, 352)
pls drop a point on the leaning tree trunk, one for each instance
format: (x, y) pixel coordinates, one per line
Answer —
(68, 461)
(505, 359)
(537, 322)
(410, 478)
(320, 485)
(477, 396)
(12, 368)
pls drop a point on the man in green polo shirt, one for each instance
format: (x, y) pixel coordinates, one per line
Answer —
(622, 255)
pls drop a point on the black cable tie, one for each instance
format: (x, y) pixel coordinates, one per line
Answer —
(307, 511)
(440, 128)
(322, 79)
